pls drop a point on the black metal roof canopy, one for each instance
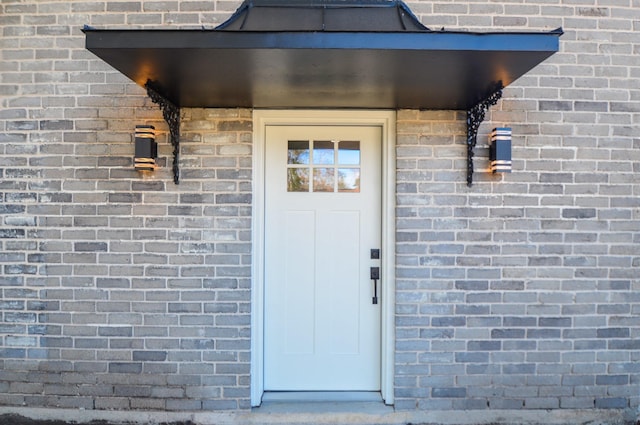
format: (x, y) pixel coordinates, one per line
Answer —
(322, 54)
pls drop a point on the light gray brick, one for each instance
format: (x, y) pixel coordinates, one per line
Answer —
(538, 263)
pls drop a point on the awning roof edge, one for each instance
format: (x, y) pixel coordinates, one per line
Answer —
(365, 54)
(283, 69)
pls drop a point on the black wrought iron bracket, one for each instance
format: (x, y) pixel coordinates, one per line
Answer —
(475, 117)
(171, 115)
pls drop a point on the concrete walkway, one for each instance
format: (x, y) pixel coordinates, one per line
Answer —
(328, 413)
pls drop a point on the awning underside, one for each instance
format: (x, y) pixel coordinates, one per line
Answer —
(242, 64)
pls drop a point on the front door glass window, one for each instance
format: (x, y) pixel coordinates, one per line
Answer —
(323, 166)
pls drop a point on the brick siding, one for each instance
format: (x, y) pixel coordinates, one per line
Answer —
(125, 291)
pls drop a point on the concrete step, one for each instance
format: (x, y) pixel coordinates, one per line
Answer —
(319, 413)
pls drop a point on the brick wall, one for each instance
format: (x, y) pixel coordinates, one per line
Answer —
(127, 291)
(119, 291)
(522, 291)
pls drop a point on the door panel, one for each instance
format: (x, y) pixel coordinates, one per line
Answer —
(298, 283)
(322, 217)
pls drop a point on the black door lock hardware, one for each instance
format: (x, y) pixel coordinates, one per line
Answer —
(375, 276)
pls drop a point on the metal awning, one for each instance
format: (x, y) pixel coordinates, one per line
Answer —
(370, 54)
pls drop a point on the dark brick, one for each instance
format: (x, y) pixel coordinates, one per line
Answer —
(56, 342)
(44, 330)
(556, 178)
(43, 305)
(624, 344)
(197, 198)
(449, 392)
(11, 305)
(543, 333)
(615, 285)
(148, 186)
(544, 261)
(55, 197)
(129, 6)
(115, 161)
(518, 369)
(95, 343)
(474, 357)
(197, 344)
(22, 125)
(132, 391)
(612, 379)
(516, 321)
(20, 317)
(149, 356)
(611, 403)
(127, 198)
(13, 353)
(436, 333)
(120, 331)
(11, 233)
(238, 125)
(624, 107)
(448, 321)
(578, 333)
(555, 322)
(484, 346)
(56, 125)
(472, 285)
(590, 345)
(591, 106)
(184, 210)
(90, 247)
(555, 105)
(473, 310)
(20, 293)
(233, 198)
(507, 333)
(124, 367)
(44, 258)
(21, 197)
(20, 269)
(579, 213)
(406, 237)
(12, 209)
(507, 285)
(613, 309)
(185, 307)
(613, 333)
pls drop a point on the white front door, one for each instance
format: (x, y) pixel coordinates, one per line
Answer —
(322, 219)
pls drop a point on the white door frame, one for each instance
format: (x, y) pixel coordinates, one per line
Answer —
(387, 121)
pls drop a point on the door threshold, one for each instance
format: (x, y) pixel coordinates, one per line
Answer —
(309, 402)
(322, 396)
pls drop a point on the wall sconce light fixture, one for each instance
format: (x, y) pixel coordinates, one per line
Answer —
(500, 150)
(146, 150)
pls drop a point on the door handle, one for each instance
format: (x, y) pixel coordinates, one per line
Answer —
(375, 276)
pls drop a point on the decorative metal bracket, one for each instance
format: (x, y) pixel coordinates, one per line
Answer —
(171, 115)
(475, 117)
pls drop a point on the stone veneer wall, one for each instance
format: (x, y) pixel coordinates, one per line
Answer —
(122, 291)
